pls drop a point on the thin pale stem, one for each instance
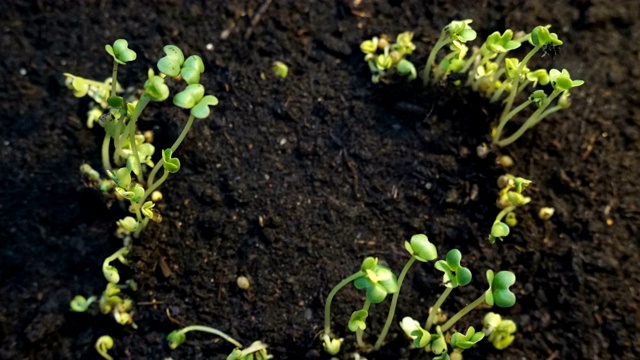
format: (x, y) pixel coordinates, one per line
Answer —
(360, 332)
(211, 330)
(114, 78)
(394, 302)
(433, 314)
(504, 213)
(514, 89)
(142, 103)
(533, 119)
(454, 319)
(327, 306)
(183, 134)
(442, 42)
(106, 162)
(154, 172)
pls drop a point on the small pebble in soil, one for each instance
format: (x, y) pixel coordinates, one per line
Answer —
(243, 282)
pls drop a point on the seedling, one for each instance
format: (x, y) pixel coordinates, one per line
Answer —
(510, 198)
(256, 351)
(81, 304)
(500, 332)
(131, 151)
(280, 69)
(104, 344)
(373, 277)
(392, 60)
(487, 70)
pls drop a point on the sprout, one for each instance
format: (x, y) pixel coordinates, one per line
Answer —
(170, 163)
(466, 341)
(409, 325)
(172, 62)
(378, 282)
(455, 274)
(499, 292)
(191, 69)
(104, 344)
(177, 337)
(81, 304)
(358, 320)
(421, 337)
(331, 346)
(420, 248)
(546, 213)
(280, 69)
(120, 52)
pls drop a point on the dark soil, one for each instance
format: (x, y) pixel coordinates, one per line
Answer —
(293, 182)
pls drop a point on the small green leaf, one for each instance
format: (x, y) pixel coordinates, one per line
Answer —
(501, 43)
(172, 62)
(503, 336)
(280, 69)
(369, 46)
(369, 263)
(128, 224)
(456, 275)
(79, 85)
(201, 109)
(421, 248)
(147, 209)
(384, 61)
(540, 35)
(461, 31)
(155, 88)
(438, 342)
(175, 339)
(189, 97)
(122, 177)
(191, 69)
(466, 341)
(378, 282)
(421, 337)
(406, 68)
(358, 320)
(80, 303)
(120, 52)
(498, 231)
(499, 292)
(170, 163)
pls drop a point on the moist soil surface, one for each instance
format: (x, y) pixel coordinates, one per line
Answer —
(292, 182)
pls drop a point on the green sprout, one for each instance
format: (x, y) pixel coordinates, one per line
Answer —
(191, 69)
(280, 69)
(104, 344)
(500, 332)
(110, 272)
(177, 337)
(459, 31)
(377, 280)
(487, 70)
(392, 60)
(131, 150)
(510, 198)
(256, 351)
(81, 304)
(171, 63)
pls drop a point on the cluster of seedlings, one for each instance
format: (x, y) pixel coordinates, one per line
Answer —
(132, 174)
